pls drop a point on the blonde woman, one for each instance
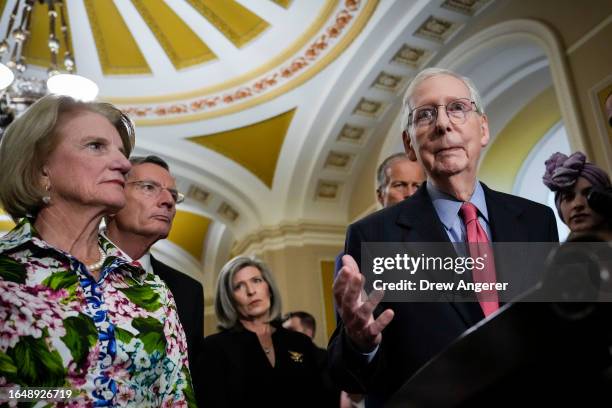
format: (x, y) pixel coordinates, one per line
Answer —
(254, 361)
(73, 312)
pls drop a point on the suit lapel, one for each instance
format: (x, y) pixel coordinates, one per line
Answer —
(419, 217)
(159, 269)
(154, 263)
(507, 226)
(504, 219)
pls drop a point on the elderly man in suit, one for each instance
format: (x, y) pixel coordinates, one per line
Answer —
(380, 345)
(151, 199)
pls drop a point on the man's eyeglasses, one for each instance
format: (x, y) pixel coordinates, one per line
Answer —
(154, 189)
(456, 111)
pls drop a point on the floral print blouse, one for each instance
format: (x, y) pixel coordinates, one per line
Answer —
(115, 342)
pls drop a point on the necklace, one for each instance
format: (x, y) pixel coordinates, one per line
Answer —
(263, 337)
(97, 265)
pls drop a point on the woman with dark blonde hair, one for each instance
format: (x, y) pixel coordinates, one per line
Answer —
(73, 312)
(254, 361)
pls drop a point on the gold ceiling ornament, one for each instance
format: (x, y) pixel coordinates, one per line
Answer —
(118, 52)
(325, 45)
(283, 3)
(237, 23)
(247, 145)
(316, 26)
(182, 46)
(21, 91)
(189, 231)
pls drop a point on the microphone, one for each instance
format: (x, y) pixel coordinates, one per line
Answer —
(600, 200)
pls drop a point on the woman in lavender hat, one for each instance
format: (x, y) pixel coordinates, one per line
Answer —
(572, 178)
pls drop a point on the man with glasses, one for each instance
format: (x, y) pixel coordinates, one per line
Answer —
(151, 199)
(380, 345)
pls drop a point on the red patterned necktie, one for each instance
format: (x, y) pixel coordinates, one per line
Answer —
(478, 243)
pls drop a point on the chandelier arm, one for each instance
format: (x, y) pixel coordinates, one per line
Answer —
(9, 28)
(53, 41)
(68, 59)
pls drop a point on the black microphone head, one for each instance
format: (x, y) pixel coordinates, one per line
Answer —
(600, 200)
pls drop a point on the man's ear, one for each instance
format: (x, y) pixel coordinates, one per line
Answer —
(379, 196)
(408, 146)
(484, 130)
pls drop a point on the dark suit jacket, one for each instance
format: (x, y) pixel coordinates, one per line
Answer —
(189, 297)
(419, 331)
(238, 374)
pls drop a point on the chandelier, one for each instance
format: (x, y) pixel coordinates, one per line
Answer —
(20, 86)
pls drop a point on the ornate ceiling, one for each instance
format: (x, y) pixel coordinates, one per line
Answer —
(266, 110)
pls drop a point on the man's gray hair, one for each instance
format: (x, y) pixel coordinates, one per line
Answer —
(225, 305)
(153, 159)
(432, 72)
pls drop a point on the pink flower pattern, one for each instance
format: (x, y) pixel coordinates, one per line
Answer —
(41, 300)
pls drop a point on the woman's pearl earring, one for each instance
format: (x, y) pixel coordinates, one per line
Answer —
(47, 197)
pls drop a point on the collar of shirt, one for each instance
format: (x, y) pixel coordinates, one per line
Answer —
(24, 233)
(144, 262)
(447, 207)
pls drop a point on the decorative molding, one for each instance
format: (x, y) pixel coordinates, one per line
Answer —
(436, 29)
(327, 190)
(198, 194)
(538, 32)
(594, 31)
(369, 108)
(338, 160)
(413, 57)
(228, 212)
(388, 82)
(467, 7)
(323, 17)
(596, 93)
(325, 47)
(294, 234)
(352, 134)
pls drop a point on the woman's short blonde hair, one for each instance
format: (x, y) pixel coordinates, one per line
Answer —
(225, 305)
(32, 137)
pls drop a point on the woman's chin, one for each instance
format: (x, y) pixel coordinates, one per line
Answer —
(114, 204)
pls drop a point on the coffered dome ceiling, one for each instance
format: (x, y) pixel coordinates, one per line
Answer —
(265, 109)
